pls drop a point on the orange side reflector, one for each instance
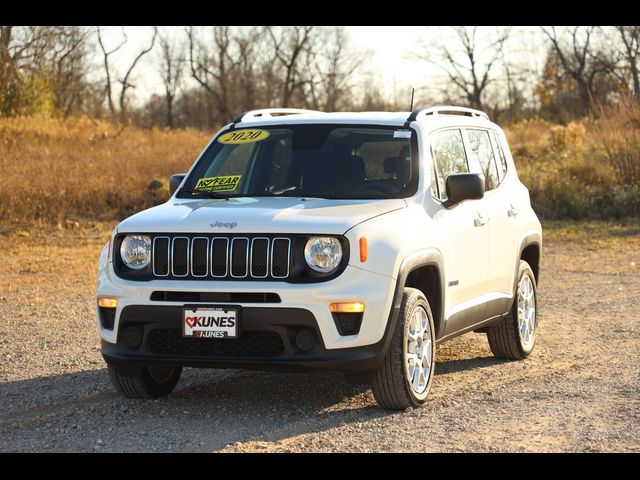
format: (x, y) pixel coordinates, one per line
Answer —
(364, 251)
(107, 302)
(347, 307)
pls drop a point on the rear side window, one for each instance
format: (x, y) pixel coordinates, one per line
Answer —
(482, 151)
(502, 161)
(449, 157)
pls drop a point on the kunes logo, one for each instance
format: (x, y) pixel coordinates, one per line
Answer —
(230, 225)
(204, 322)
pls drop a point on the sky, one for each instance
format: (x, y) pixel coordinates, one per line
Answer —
(391, 60)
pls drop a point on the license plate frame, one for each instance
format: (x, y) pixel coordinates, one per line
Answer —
(225, 309)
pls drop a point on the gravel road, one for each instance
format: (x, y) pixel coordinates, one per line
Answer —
(579, 391)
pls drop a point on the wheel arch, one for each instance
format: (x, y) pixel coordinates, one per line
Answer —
(530, 251)
(424, 270)
(531, 254)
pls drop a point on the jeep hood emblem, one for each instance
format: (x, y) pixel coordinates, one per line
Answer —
(230, 225)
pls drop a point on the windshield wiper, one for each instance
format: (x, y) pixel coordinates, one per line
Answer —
(206, 192)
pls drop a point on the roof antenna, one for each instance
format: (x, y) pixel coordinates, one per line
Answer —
(412, 92)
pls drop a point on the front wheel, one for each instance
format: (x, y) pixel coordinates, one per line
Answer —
(146, 382)
(515, 336)
(404, 378)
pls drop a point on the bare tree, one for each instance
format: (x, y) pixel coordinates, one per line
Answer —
(582, 61)
(106, 54)
(210, 67)
(331, 65)
(469, 68)
(248, 68)
(125, 83)
(232, 68)
(67, 68)
(47, 61)
(171, 63)
(290, 43)
(630, 37)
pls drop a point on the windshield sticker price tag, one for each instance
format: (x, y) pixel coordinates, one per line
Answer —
(226, 183)
(402, 134)
(243, 136)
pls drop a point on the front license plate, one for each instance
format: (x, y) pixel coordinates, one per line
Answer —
(210, 322)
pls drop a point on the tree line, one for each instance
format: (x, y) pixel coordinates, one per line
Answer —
(210, 74)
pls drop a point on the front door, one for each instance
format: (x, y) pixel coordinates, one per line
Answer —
(465, 233)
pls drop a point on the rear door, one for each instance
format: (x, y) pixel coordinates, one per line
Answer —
(502, 213)
(465, 234)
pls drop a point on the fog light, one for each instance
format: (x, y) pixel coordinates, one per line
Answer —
(107, 302)
(305, 340)
(132, 336)
(346, 307)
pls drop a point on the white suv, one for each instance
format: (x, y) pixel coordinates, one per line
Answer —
(304, 240)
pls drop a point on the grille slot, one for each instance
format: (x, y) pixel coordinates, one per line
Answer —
(180, 257)
(239, 257)
(259, 257)
(215, 297)
(201, 257)
(219, 252)
(161, 256)
(280, 252)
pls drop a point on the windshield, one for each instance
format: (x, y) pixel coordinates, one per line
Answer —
(328, 161)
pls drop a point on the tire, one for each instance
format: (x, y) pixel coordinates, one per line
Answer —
(392, 386)
(507, 339)
(147, 382)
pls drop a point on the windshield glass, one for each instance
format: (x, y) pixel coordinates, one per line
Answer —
(329, 161)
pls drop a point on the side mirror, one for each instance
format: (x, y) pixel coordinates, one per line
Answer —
(175, 181)
(464, 186)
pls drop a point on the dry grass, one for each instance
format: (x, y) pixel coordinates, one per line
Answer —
(617, 134)
(81, 168)
(586, 169)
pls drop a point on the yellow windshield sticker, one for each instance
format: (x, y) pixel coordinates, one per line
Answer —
(226, 183)
(243, 136)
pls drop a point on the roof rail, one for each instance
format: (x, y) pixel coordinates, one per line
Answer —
(270, 112)
(444, 109)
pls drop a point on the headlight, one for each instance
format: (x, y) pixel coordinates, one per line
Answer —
(323, 254)
(135, 251)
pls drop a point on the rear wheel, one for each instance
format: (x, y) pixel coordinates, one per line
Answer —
(404, 378)
(146, 382)
(515, 336)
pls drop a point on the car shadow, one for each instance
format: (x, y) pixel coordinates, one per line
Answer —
(444, 367)
(208, 411)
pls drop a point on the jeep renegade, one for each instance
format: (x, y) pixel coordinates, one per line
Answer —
(303, 240)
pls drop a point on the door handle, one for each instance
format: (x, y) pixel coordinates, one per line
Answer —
(478, 222)
(513, 211)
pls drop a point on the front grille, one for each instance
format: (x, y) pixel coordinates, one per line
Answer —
(215, 297)
(231, 257)
(250, 344)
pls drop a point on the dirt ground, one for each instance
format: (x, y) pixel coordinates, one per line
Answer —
(579, 391)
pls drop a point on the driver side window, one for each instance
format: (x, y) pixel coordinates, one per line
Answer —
(449, 157)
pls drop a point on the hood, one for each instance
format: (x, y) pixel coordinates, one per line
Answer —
(258, 215)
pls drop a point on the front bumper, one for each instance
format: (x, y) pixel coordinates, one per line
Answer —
(302, 306)
(151, 335)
